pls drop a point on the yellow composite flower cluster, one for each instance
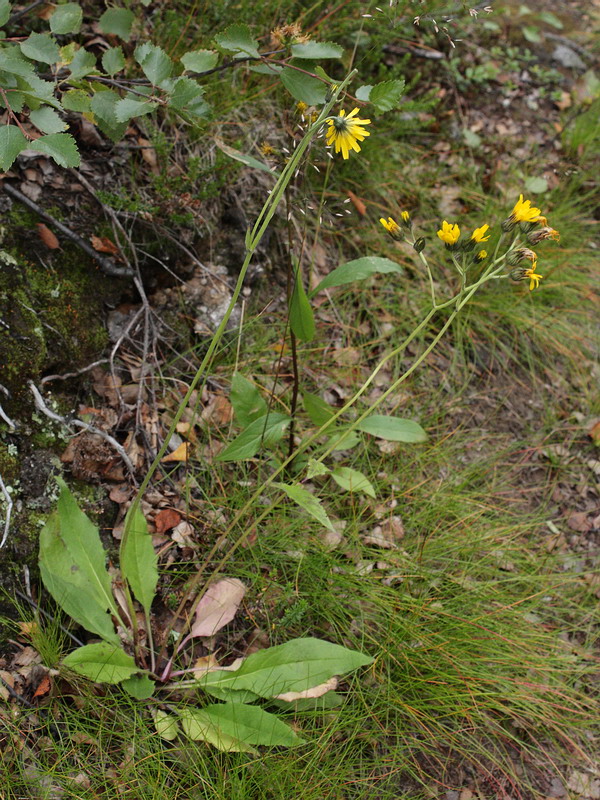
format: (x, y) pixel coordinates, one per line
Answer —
(523, 213)
(345, 132)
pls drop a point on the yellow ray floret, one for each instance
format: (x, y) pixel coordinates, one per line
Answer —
(534, 278)
(345, 132)
(525, 212)
(449, 233)
(478, 234)
(391, 227)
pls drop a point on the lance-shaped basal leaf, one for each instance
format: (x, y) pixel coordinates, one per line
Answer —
(218, 606)
(302, 320)
(102, 663)
(247, 401)
(139, 686)
(70, 586)
(357, 270)
(308, 502)
(352, 481)
(167, 726)
(235, 727)
(249, 161)
(264, 431)
(393, 429)
(72, 565)
(317, 409)
(138, 559)
(295, 666)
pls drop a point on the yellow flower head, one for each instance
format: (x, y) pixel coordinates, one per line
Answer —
(345, 132)
(481, 255)
(534, 279)
(478, 234)
(301, 107)
(524, 212)
(391, 227)
(543, 233)
(449, 233)
(405, 216)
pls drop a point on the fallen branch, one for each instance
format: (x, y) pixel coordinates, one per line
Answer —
(106, 265)
(9, 508)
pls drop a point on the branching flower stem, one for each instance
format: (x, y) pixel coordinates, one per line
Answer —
(253, 238)
(458, 301)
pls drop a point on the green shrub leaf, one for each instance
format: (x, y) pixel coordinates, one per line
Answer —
(12, 142)
(138, 559)
(308, 502)
(104, 104)
(59, 146)
(296, 666)
(266, 430)
(236, 727)
(66, 18)
(127, 108)
(357, 270)
(317, 50)
(5, 10)
(303, 87)
(238, 39)
(47, 120)
(113, 60)
(82, 64)
(352, 481)
(76, 100)
(386, 96)
(155, 63)
(117, 21)
(393, 429)
(41, 47)
(101, 662)
(302, 320)
(199, 60)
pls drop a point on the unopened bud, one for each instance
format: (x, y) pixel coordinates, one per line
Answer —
(419, 245)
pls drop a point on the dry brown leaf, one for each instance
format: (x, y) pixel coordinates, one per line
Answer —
(149, 155)
(166, 519)
(594, 433)
(219, 411)
(181, 453)
(357, 203)
(47, 237)
(102, 244)
(43, 687)
(26, 657)
(218, 606)
(316, 691)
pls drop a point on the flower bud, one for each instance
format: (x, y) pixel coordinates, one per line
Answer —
(419, 245)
